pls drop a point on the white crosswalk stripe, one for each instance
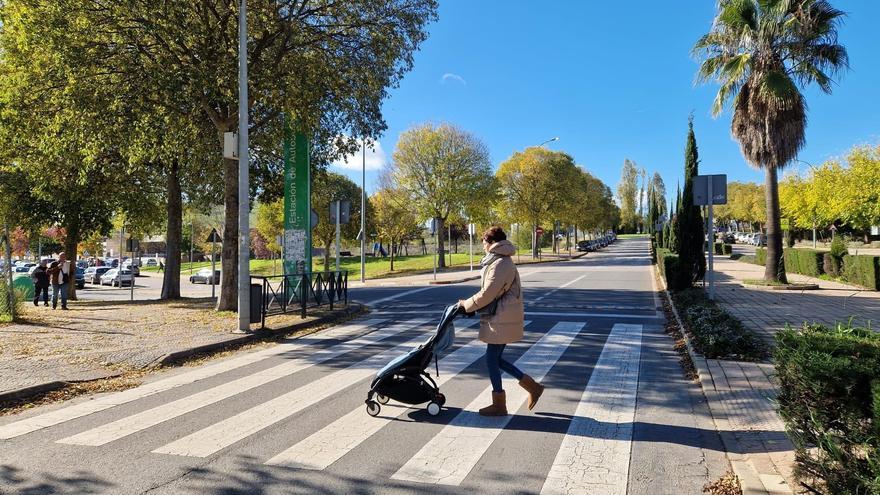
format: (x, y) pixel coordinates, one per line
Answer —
(452, 454)
(59, 416)
(329, 444)
(159, 414)
(225, 433)
(594, 455)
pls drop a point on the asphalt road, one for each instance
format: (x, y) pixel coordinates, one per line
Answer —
(617, 417)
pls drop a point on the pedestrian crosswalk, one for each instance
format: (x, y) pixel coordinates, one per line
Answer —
(590, 457)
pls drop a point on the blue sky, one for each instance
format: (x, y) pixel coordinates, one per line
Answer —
(613, 80)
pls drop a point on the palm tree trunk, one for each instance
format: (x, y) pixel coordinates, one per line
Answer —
(774, 271)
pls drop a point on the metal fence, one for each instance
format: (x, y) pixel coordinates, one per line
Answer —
(297, 292)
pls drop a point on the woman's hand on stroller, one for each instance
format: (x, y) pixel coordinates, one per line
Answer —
(460, 310)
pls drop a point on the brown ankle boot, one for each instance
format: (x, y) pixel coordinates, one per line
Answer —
(534, 389)
(498, 407)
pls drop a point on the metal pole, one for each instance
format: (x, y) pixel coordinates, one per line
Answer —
(364, 211)
(213, 268)
(471, 244)
(436, 249)
(132, 275)
(814, 234)
(10, 293)
(244, 272)
(121, 244)
(192, 242)
(338, 231)
(712, 247)
(449, 244)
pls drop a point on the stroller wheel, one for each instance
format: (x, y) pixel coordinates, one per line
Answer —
(440, 399)
(373, 408)
(382, 399)
(433, 408)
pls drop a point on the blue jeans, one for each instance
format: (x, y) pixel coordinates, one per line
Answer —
(496, 363)
(56, 290)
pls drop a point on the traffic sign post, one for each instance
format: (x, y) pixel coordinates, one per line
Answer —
(214, 238)
(710, 190)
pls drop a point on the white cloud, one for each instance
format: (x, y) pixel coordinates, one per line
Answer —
(449, 76)
(375, 159)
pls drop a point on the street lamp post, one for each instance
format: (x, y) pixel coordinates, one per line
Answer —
(364, 211)
(548, 141)
(244, 275)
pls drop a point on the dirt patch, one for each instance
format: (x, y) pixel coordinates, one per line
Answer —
(672, 328)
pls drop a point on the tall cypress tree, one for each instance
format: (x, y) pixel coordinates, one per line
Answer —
(689, 228)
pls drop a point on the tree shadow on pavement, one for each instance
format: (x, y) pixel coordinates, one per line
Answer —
(20, 483)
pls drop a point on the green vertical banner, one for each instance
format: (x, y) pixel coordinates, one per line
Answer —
(297, 203)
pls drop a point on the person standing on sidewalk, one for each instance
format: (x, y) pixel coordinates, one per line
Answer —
(58, 276)
(502, 315)
(41, 283)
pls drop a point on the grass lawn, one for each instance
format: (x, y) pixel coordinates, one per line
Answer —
(631, 236)
(375, 267)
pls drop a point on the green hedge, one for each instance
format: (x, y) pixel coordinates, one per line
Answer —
(803, 261)
(722, 249)
(862, 270)
(716, 333)
(829, 398)
(667, 262)
(761, 256)
(859, 269)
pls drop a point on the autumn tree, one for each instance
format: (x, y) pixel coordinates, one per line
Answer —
(442, 170)
(627, 195)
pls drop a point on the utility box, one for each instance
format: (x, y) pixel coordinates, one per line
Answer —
(230, 145)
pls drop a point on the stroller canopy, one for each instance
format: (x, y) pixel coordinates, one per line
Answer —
(441, 341)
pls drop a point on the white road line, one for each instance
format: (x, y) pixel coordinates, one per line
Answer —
(227, 432)
(329, 444)
(560, 287)
(58, 416)
(594, 455)
(159, 414)
(398, 296)
(448, 457)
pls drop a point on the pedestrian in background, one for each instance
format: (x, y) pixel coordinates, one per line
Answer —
(59, 276)
(41, 283)
(502, 318)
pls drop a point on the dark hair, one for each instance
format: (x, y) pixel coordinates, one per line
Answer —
(494, 234)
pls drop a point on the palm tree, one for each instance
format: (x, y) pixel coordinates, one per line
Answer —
(762, 53)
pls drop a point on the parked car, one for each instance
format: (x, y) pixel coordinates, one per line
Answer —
(135, 269)
(204, 276)
(584, 246)
(117, 278)
(21, 269)
(80, 278)
(760, 240)
(93, 274)
(151, 262)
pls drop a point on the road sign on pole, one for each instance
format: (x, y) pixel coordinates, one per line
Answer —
(299, 217)
(710, 190)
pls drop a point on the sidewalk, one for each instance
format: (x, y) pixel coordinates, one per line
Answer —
(742, 395)
(95, 340)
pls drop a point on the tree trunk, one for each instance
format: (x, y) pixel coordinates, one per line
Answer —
(774, 271)
(71, 243)
(174, 234)
(441, 259)
(392, 254)
(327, 256)
(534, 240)
(228, 300)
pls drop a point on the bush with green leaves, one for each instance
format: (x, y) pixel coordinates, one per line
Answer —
(722, 249)
(716, 334)
(839, 249)
(830, 401)
(804, 261)
(862, 270)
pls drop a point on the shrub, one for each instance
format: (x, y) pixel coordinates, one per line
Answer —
(829, 399)
(723, 249)
(862, 270)
(838, 251)
(761, 256)
(668, 265)
(804, 261)
(716, 334)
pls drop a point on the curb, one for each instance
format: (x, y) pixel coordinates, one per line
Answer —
(176, 356)
(455, 281)
(750, 479)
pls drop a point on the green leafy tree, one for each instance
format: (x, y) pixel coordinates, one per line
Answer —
(627, 193)
(442, 170)
(394, 219)
(270, 222)
(328, 187)
(530, 183)
(762, 52)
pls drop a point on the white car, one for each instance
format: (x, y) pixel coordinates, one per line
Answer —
(117, 277)
(151, 262)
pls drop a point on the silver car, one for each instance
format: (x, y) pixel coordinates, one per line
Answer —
(117, 278)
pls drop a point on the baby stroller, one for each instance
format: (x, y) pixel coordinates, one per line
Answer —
(405, 380)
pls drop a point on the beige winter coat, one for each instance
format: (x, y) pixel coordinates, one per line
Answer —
(506, 325)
